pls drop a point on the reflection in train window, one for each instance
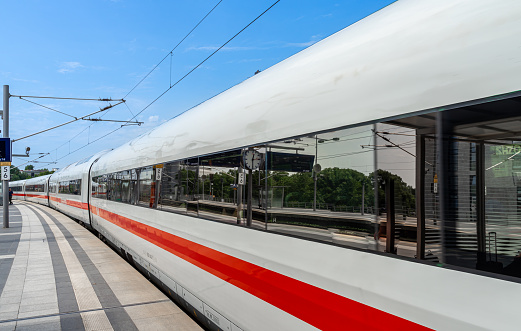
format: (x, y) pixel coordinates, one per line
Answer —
(114, 187)
(321, 187)
(100, 187)
(128, 180)
(147, 189)
(396, 182)
(173, 188)
(70, 187)
(218, 196)
(17, 188)
(35, 188)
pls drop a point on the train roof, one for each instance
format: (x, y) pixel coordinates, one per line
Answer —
(410, 57)
(77, 169)
(37, 180)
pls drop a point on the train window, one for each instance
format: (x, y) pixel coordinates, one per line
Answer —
(114, 187)
(34, 188)
(147, 189)
(173, 195)
(457, 186)
(70, 187)
(75, 187)
(190, 175)
(128, 186)
(396, 182)
(218, 196)
(321, 187)
(64, 187)
(99, 187)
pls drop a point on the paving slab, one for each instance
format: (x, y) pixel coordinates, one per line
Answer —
(56, 275)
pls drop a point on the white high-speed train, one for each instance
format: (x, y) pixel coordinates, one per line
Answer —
(242, 208)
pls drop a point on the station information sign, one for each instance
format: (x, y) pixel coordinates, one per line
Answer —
(5, 150)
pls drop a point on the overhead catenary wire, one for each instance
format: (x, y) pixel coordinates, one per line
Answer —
(74, 120)
(175, 84)
(206, 59)
(173, 49)
(169, 53)
(22, 98)
(62, 98)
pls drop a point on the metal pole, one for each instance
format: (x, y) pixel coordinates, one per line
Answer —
(315, 176)
(5, 183)
(250, 191)
(420, 196)
(376, 190)
(239, 197)
(363, 198)
(480, 204)
(266, 189)
(390, 224)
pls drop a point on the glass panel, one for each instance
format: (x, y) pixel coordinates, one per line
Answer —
(174, 187)
(470, 188)
(503, 208)
(321, 187)
(75, 187)
(217, 176)
(190, 175)
(128, 186)
(64, 187)
(146, 193)
(99, 187)
(396, 163)
(114, 192)
(431, 189)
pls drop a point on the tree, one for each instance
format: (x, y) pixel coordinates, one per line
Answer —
(29, 167)
(405, 195)
(44, 172)
(16, 174)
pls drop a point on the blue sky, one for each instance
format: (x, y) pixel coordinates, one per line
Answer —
(102, 49)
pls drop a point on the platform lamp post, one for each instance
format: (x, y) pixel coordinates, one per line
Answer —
(5, 182)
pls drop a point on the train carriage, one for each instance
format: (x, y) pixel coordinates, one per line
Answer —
(282, 245)
(36, 189)
(18, 189)
(371, 181)
(69, 189)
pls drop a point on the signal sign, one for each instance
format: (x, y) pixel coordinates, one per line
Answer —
(5, 150)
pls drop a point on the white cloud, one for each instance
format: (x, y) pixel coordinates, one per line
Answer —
(66, 67)
(153, 118)
(304, 44)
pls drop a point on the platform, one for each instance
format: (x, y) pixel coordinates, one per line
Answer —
(56, 275)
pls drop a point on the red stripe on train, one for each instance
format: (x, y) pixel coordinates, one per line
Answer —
(318, 307)
(42, 196)
(72, 203)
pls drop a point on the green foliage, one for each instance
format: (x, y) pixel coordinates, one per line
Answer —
(16, 174)
(44, 172)
(338, 189)
(405, 195)
(29, 167)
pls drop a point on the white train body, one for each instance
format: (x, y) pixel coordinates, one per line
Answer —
(36, 190)
(411, 58)
(67, 191)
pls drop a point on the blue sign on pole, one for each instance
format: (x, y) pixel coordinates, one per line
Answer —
(5, 150)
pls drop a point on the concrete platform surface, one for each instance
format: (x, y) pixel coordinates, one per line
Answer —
(56, 275)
